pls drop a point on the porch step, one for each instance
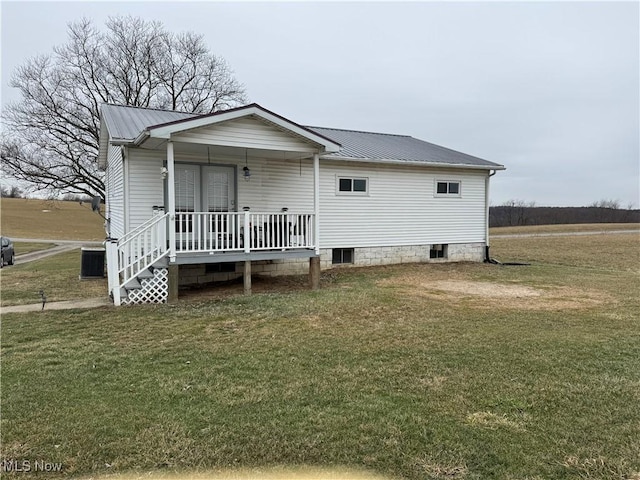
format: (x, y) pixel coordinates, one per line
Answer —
(148, 273)
(133, 284)
(161, 262)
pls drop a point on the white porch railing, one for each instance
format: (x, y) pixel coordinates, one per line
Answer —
(204, 232)
(136, 251)
(243, 231)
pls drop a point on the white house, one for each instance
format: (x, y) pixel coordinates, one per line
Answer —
(199, 198)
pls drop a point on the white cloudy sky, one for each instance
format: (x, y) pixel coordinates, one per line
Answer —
(551, 90)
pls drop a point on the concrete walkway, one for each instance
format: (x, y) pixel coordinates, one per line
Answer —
(66, 305)
(59, 242)
(61, 246)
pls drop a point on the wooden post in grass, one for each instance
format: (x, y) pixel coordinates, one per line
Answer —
(314, 273)
(173, 284)
(247, 277)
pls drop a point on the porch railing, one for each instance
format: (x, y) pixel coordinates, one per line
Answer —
(136, 251)
(243, 231)
(204, 232)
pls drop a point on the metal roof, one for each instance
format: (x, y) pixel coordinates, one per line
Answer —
(399, 148)
(126, 123)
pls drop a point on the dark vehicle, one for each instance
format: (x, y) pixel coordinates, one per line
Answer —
(8, 255)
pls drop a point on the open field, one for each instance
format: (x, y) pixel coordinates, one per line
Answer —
(578, 227)
(456, 371)
(49, 219)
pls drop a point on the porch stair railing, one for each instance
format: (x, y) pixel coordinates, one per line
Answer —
(134, 254)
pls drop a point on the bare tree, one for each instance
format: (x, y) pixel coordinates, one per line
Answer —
(606, 203)
(50, 137)
(10, 191)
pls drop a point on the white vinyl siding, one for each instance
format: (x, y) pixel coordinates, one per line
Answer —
(277, 184)
(274, 184)
(400, 208)
(146, 186)
(245, 133)
(114, 185)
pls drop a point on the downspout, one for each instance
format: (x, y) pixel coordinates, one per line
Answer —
(487, 256)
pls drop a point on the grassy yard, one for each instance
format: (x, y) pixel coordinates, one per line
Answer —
(456, 371)
(49, 219)
(578, 227)
(57, 275)
(27, 247)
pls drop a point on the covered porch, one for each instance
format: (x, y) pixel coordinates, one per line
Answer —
(234, 208)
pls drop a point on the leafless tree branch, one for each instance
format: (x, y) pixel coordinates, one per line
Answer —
(50, 137)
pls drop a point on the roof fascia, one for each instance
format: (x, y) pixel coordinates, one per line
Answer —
(495, 166)
(165, 131)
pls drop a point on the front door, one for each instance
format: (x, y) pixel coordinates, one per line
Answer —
(218, 189)
(200, 190)
(221, 229)
(187, 190)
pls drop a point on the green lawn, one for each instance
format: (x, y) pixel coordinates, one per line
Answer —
(58, 276)
(563, 228)
(466, 371)
(27, 247)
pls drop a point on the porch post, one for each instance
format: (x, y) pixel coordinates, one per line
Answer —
(316, 201)
(314, 273)
(171, 201)
(247, 277)
(173, 279)
(113, 275)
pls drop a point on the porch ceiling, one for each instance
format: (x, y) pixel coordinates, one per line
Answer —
(214, 152)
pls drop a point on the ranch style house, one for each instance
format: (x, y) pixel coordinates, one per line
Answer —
(194, 199)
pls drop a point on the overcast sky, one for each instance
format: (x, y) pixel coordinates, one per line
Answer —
(550, 90)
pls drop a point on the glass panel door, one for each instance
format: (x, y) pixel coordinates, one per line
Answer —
(218, 196)
(219, 189)
(187, 189)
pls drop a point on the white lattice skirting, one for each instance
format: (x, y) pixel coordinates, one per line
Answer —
(154, 289)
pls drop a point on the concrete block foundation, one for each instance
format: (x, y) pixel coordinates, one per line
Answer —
(362, 256)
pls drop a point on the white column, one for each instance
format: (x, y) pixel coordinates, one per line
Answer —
(247, 233)
(171, 201)
(316, 201)
(113, 276)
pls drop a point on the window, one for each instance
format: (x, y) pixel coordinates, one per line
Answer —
(447, 188)
(342, 255)
(357, 186)
(438, 251)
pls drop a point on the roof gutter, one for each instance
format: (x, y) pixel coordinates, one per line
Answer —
(493, 166)
(141, 138)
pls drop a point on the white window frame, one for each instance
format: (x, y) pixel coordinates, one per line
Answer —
(447, 181)
(352, 178)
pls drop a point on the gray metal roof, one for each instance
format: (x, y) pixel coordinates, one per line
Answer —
(399, 148)
(126, 123)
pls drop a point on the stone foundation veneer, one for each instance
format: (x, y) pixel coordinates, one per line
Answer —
(363, 256)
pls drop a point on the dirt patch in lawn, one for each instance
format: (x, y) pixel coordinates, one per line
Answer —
(481, 294)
